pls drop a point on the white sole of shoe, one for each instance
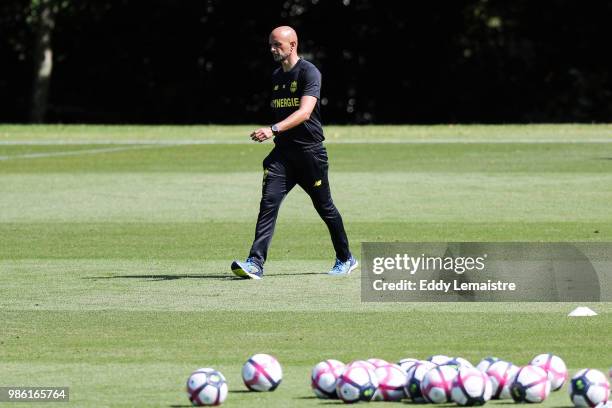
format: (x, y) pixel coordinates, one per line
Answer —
(238, 271)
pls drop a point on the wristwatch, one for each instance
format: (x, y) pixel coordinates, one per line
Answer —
(275, 130)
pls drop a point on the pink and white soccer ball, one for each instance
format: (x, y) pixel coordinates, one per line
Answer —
(361, 363)
(485, 363)
(392, 382)
(589, 388)
(324, 376)
(554, 366)
(458, 363)
(471, 387)
(501, 373)
(407, 363)
(415, 374)
(378, 362)
(206, 386)
(356, 383)
(462, 362)
(531, 384)
(437, 384)
(439, 359)
(262, 372)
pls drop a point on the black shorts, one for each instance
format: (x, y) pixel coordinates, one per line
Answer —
(307, 167)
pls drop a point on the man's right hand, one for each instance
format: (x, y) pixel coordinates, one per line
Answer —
(261, 134)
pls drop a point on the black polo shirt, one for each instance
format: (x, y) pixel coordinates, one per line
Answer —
(287, 89)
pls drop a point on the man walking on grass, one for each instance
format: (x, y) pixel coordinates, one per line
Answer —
(298, 156)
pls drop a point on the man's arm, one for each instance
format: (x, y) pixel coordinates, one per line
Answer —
(307, 104)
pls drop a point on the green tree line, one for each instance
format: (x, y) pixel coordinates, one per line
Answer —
(201, 61)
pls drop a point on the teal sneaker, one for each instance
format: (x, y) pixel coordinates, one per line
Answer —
(247, 269)
(343, 268)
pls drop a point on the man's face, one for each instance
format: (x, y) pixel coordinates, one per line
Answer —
(280, 49)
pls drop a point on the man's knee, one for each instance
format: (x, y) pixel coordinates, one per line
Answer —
(326, 208)
(271, 201)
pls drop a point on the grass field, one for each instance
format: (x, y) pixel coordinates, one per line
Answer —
(115, 246)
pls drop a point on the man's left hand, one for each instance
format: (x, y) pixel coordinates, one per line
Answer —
(261, 134)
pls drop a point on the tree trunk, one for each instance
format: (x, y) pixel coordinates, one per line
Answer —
(43, 60)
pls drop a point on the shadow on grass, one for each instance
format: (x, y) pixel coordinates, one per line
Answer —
(241, 391)
(163, 277)
(511, 402)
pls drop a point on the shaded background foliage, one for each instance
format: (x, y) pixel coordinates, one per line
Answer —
(201, 61)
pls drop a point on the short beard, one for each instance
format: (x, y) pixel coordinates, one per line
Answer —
(280, 57)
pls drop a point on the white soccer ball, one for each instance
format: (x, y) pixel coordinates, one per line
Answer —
(407, 363)
(463, 363)
(415, 374)
(356, 384)
(485, 363)
(437, 384)
(378, 362)
(324, 376)
(361, 363)
(458, 363)
(589, 388)
(554, 366)
(392, 382)
(206, 386)
(501, 374)
(471, 387)
(531, 384)
(262, 372)
(439, 359)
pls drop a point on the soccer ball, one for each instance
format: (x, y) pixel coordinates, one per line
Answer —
(501, 373)
(531, 384)
(262, 372)
(415, 377)
(462, 362)
(589, 388)
(437, 383)
(554, 366)
(471, 387)
(324, 377)
(206, 386)
(391, 383)
(439, 359)
(377, 362)
(485, 363)
(406, 363)
(458, 363)
(356, 384)
(361, 363)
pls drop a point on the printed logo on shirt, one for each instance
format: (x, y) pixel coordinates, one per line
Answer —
(293, 86)
(285, 102)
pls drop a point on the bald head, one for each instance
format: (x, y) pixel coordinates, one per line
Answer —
(283, 43)
(285, 32)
